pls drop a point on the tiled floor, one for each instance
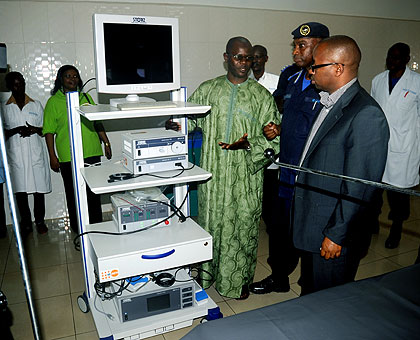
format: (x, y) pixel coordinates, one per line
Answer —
(57, 279)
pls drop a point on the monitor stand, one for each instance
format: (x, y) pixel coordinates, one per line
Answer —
(131, 98)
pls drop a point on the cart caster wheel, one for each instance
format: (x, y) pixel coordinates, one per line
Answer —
(83, 303)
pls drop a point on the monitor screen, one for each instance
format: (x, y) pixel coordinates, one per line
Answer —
(136, 55)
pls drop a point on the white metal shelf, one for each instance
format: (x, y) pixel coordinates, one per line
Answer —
(97, 178)
(146, 327)
(120, 256)
(105, 112)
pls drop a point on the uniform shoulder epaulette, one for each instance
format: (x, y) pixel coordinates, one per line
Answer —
(286, 67)
(290, 71)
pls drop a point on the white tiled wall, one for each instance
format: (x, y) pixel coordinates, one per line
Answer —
(42, 36)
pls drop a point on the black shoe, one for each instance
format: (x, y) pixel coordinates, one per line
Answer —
(25, 229)
(41, 228)
(268, 285)
(24, 232)
(394, 237)
(244, 293)
(392, 242)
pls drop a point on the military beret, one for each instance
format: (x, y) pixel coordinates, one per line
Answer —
(311, 30)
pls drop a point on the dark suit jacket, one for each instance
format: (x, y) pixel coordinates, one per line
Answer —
(352, 141)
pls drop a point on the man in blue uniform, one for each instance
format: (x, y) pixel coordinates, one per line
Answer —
(287, 72)
(301, 104)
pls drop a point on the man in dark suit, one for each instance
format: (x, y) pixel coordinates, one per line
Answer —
(300, 100)
(349, 137)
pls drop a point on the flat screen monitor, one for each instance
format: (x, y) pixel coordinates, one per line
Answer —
(136, 54)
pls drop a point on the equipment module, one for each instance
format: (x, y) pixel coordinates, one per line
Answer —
(140, 209)
(150, 143)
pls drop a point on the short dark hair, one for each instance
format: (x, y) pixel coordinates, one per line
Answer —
(58, 84)
(345, 45)
(234, 40)
(261, 48)
(10, 79)
(402, 47)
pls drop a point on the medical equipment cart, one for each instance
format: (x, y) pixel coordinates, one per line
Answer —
(121, 256)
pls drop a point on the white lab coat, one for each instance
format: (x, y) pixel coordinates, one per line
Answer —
(402, 110)
(268, 80)
(28, 158)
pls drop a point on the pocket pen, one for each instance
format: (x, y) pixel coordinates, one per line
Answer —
(408, 91)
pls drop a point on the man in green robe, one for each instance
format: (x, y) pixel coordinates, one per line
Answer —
(229, 204)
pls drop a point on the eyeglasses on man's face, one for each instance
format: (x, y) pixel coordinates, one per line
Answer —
(314, 67)
(240, 57)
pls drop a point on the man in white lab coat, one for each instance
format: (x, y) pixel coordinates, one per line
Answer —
(397, 90)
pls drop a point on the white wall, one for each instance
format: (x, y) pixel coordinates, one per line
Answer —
(43, 35)
(395, 9)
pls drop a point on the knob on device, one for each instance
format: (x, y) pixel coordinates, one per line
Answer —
(177, 147)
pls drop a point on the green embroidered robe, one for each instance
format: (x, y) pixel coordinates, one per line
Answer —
(229, 204)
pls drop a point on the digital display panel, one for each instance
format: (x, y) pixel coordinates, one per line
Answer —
(159, 302)
(138, 54)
